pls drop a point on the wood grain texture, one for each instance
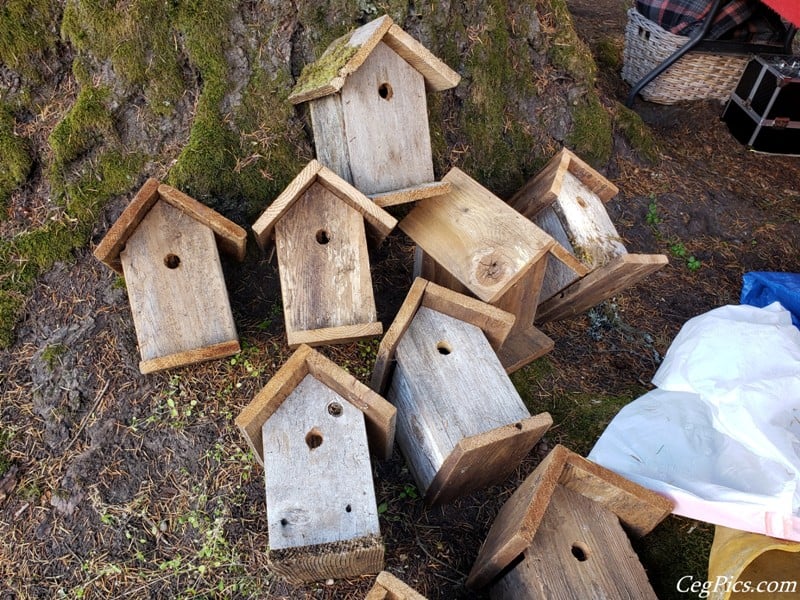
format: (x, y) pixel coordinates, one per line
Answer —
(231, 238)
(523, 347)
(190, 357)
(485, 244)
(579, 552)
(113, 242)
(317, 470)
(448, 385)
(330, 135)
(323, 265)
(386, 118)
(266, 402)
(380, 416)
(486, 459)
(389, 587)
(427, 268)
(618, 275)
(174, 280)
(325, 336)
(336, 560)
(411, 194)
(265, 224)
(559, 274)
(438, 76)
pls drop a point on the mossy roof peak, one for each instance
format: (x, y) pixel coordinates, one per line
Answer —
(230, 237)
(345, 55)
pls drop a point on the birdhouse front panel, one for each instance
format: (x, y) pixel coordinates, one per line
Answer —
(318, 476)
(385, 117)
(324, 266)
(175, 285)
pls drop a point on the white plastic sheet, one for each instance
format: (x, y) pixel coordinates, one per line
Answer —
(721, 434)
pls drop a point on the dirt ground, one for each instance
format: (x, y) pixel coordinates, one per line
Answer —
(123, 485)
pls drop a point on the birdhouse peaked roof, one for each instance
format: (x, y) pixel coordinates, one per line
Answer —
(344, 56)
(315, 172)
(230, 237)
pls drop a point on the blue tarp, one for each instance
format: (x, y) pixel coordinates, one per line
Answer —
(761, 288)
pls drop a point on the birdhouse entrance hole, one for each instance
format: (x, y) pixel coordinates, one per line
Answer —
(580, 551)
(172, 261)
(444, 348)
(323, 237)
(314, 438)
(335, 409)
(385, 91)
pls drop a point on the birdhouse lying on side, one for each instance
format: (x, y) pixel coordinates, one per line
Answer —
(471, 241)
(366, 95)
(310, 427)
(461, 424)
(165, 244)
(566, 199)
(321, 242)
(560, 535)
(389, 587)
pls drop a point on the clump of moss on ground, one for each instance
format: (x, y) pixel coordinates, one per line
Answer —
(15, 161)
(638, 135)
(26, 35)
(591, 136)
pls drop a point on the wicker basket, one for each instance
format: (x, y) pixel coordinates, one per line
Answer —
(696, 76)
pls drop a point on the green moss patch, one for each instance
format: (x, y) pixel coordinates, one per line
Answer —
(15, 161)
(638, 135)
(591, 136)
(325, 68)
(27, 36)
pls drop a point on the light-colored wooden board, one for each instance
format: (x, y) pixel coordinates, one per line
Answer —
(326, 336)
(486, 459)
(330, 135)
(427, 268)
(323, 264)
(386, 119)
(265, 224)
(523, 347)
(318, 475)
(522, 298)
(411, 194)
(448, 385)
(266, 402)
(558, 274)
(190, 357)
(579, 552)
(380, 416)
(337, 560)
(618, 275)
(438, 76)
(389, 587)
(231, 238)
(476, 237)
(174, 280)
(113, 242)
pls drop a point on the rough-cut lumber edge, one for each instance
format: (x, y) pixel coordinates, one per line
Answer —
(111, 245)
(494, 322)
(265, 224)
(593, 180)
(523, 347)
(568, 258)
(638, 508)
(335, 560)
(231, 238)
(363, 40)
(411, 194)
(379, 415)
(485, 459)
(333, 335)
(438, 76)
(189, 357)
(619, 274)
(389, 587)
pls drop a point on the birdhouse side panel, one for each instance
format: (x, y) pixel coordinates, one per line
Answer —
(386, 120)
(317, 470)
(330, 135)
(558, 275)
(324, 263)
(175, 285)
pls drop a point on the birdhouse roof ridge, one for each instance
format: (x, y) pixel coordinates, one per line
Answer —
(327, 75)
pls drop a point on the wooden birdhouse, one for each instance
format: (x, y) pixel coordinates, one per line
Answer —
(166, 245)
(472, 242)
(461, 424)
(321, 242)
(389, 587)
(312, 427)
(561, 535)
(566, 199)
(366, 95)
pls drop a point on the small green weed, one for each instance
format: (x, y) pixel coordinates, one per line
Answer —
(678, 250)
(652, 218)
(5, 461)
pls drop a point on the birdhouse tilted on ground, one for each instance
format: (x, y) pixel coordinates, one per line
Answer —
(461, 424)
(470, 241)
(366, 95)
(165, 244)
(566, 199)
(312, 427)
(560, 535)
(323, 262)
